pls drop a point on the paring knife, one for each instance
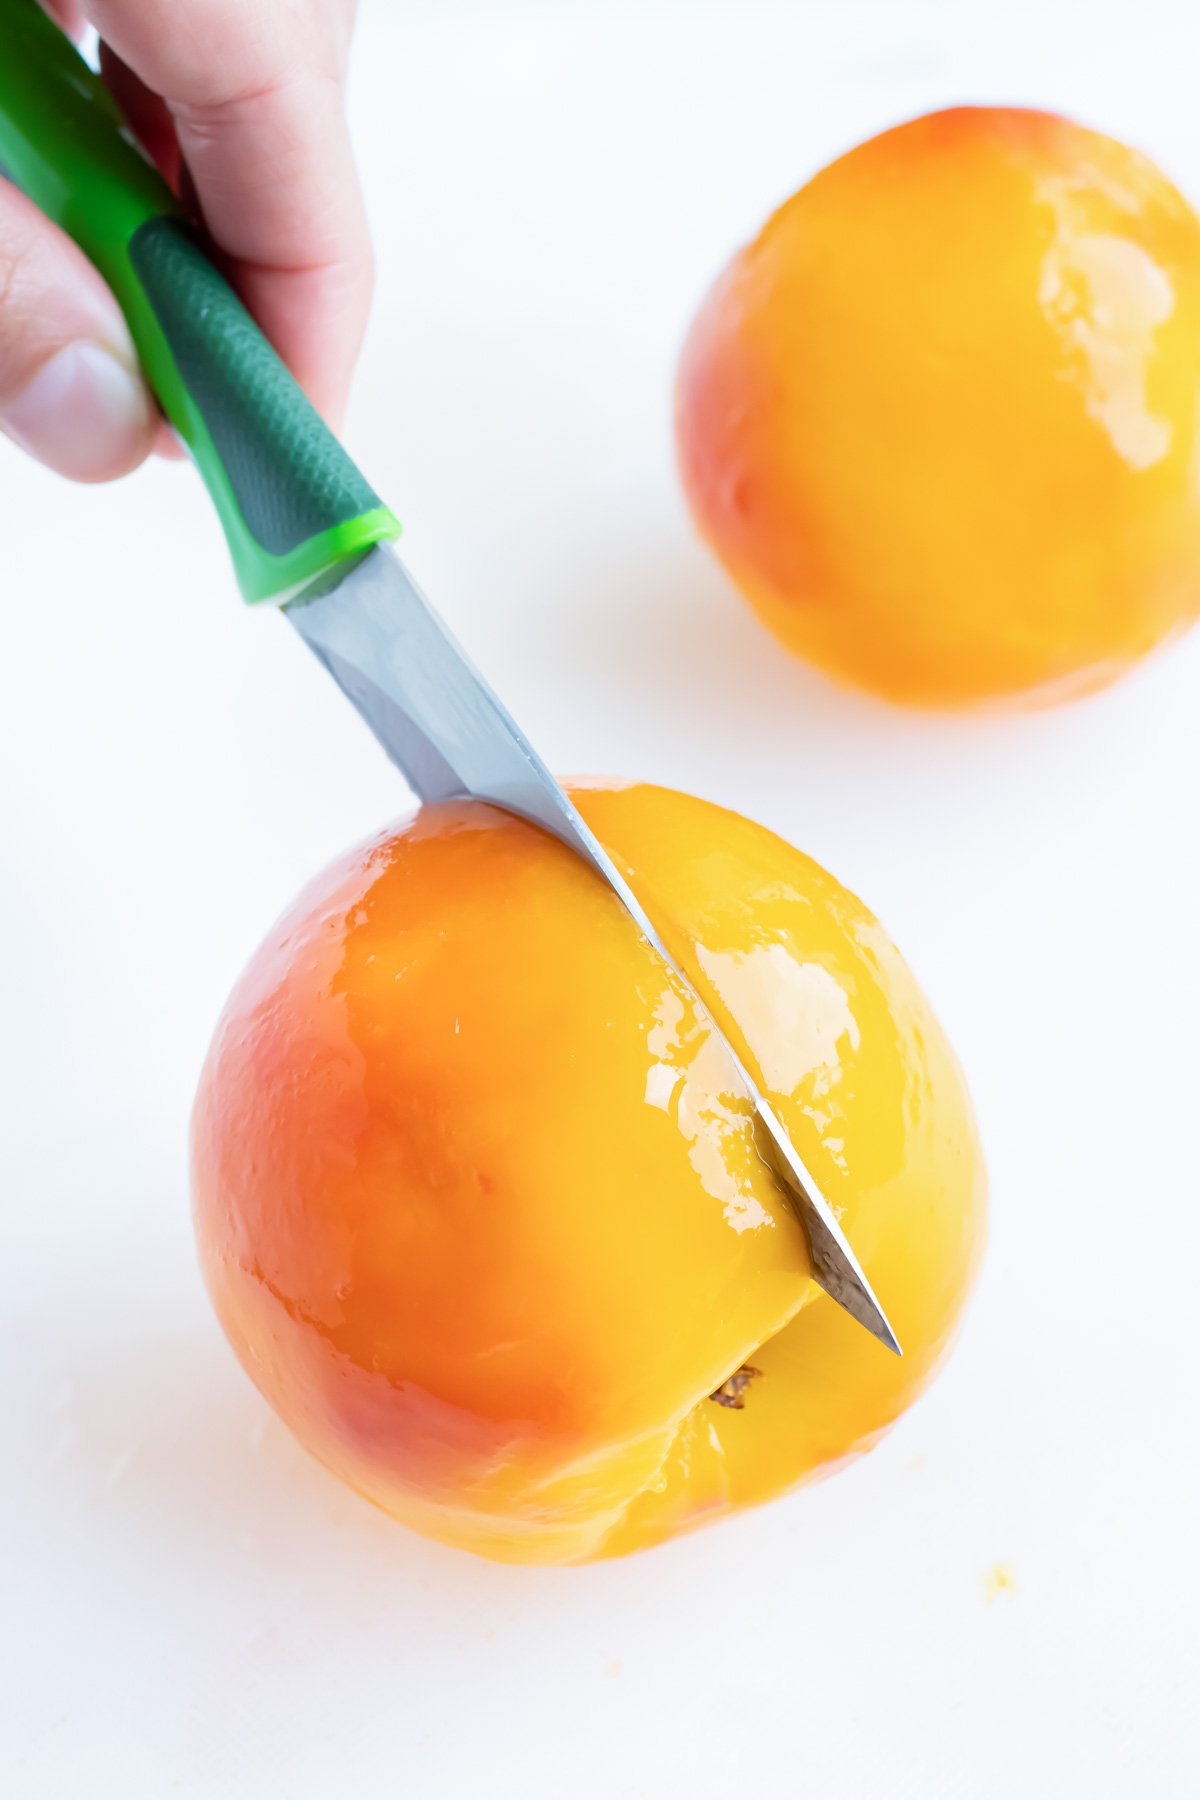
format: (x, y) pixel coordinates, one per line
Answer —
(305, 529)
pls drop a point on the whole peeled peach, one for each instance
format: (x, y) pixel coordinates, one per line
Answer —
(480, 1208)
(939, 420)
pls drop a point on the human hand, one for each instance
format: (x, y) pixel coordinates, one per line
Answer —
(241, 106)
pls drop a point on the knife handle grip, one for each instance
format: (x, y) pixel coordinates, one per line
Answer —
(292, 503)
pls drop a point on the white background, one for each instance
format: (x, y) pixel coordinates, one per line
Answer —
(191, 1605)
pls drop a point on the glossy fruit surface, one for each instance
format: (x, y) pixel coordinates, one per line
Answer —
(483, 1220)
(939, 421)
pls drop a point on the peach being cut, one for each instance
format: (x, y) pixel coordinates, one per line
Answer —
(484, 1221)
(939, 420)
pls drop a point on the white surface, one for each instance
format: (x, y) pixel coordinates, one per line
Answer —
(192, 1606)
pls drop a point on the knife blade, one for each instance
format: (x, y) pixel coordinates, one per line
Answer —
(447, 732)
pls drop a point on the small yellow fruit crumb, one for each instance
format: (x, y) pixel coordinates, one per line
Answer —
(999, 1580)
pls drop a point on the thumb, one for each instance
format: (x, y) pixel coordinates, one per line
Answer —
(70, 390)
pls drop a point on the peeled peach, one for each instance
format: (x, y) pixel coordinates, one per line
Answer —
(482, 1214)
(939, 420)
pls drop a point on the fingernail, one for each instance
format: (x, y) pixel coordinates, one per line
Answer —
(84, 414)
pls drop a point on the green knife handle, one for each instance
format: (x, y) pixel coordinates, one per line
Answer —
(292, 503)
